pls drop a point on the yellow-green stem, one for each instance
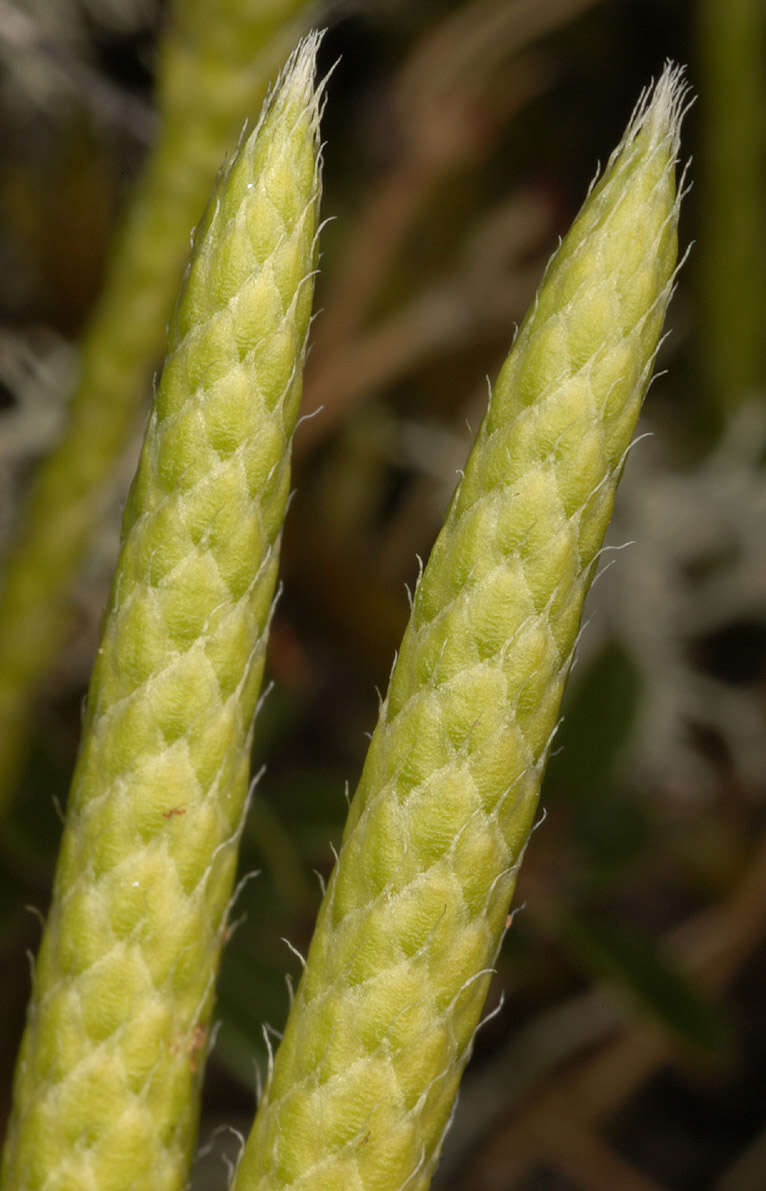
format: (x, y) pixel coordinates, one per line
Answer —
(212, 74)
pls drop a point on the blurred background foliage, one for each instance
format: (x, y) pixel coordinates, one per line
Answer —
(628, 1049)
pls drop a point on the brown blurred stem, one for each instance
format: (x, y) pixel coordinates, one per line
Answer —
(713, 946)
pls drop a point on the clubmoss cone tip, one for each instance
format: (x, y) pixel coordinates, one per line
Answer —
(108, 1077)
(382, 1024)
(661, 108)
(295, 84)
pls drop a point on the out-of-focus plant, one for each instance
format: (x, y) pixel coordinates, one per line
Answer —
(732, 260)
(212, 75)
